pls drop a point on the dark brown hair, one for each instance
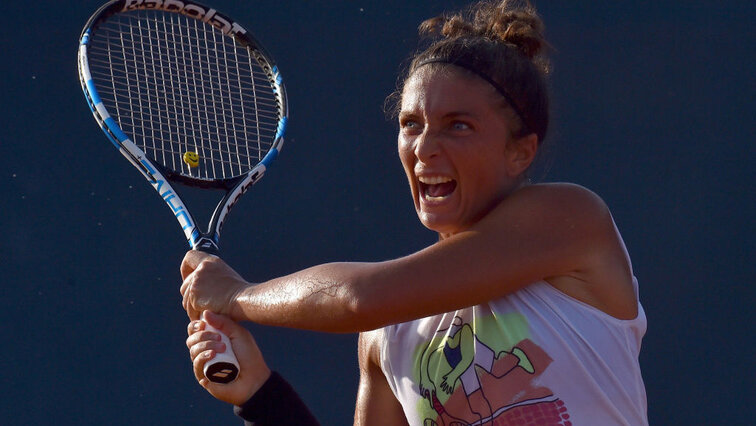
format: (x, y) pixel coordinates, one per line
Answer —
(503, 43)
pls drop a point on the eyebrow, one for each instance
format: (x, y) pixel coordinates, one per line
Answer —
(455, 114)
(448, 115)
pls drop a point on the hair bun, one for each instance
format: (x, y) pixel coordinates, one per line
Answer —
(520, 28)
(508, 21)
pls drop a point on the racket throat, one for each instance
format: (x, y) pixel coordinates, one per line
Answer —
(206, 244)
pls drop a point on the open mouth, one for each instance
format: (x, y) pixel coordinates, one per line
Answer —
(436, 188)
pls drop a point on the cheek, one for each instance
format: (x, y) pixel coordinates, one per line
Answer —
(406, 155)
(482, 170)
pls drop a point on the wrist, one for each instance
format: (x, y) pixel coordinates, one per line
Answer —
(239, 300)
(276, 403)
(263, 376)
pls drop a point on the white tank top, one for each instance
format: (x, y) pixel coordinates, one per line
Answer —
(536, 356)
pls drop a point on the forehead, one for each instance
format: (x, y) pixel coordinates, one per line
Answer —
(445, 87)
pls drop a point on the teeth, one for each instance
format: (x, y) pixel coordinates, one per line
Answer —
(434, 180)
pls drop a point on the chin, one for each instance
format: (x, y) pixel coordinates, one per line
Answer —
(437, 224)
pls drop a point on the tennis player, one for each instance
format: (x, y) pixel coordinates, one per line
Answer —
(525, 310)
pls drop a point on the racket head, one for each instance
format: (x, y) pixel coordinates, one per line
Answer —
(185, 87)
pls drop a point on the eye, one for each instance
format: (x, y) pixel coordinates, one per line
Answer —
(409, 125)
(460, 125)
(407, 122)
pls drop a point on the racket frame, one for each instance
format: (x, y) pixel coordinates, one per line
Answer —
(224, 367)
(157, 175)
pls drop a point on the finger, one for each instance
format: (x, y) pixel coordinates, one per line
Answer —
(198, 364)
(194, 326)
(191, 312)
(219, 322)
(202, 336)
(187, 307)
(185, 302)
(191, 261)
(222, 323)
(185, 285)
(216, 347)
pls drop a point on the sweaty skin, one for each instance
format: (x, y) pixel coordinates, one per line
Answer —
(497, 235)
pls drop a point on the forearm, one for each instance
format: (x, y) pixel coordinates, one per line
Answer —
(355, 297)
(321, 298)
(465, 270)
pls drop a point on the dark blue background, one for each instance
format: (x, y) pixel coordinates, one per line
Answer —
(653, 110)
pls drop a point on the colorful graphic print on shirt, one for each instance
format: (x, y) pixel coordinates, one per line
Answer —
(484, 372)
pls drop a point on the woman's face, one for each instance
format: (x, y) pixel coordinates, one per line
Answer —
(453, 144)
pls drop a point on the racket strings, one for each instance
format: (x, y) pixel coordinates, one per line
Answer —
(178, 85)
(237, 105)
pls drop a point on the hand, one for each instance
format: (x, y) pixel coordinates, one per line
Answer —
(204, 345)
(448, 385)
(427, 390)
(209, 284)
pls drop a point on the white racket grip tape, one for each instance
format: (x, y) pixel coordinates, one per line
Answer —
(224, 367)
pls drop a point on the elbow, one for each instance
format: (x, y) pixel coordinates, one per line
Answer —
(362, 310)
(364, 304)
(355, 297)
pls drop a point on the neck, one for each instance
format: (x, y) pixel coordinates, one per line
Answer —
(520, 183)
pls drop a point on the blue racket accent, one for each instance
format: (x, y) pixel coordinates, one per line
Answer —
(194, 238)
(113, 126)
(270, 157)
(93, 93)
(281, 129)
(277, 75)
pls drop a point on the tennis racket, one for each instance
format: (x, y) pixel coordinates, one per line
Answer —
(188, 96)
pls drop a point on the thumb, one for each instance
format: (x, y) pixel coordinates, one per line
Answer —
(221, 323)
(241, 341)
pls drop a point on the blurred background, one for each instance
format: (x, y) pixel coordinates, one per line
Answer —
(653, 109)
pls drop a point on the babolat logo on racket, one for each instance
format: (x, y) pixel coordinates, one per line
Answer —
(192, 10)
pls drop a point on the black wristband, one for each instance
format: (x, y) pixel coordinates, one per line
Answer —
(276, 403)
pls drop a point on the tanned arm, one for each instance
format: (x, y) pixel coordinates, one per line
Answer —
(376, 403)
(559, 232)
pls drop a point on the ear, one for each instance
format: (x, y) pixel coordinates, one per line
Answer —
(520, 154)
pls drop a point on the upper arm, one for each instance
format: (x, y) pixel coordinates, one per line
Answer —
(376, 404)
(538, 232)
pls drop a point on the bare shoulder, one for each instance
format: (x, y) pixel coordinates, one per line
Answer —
(553, 209)
(569, 197)
(601, 273)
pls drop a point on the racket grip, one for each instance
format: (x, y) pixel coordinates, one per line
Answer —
(224, 367)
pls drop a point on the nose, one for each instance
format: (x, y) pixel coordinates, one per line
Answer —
(427, 145)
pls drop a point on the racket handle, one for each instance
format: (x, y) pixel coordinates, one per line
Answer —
(224, 367)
